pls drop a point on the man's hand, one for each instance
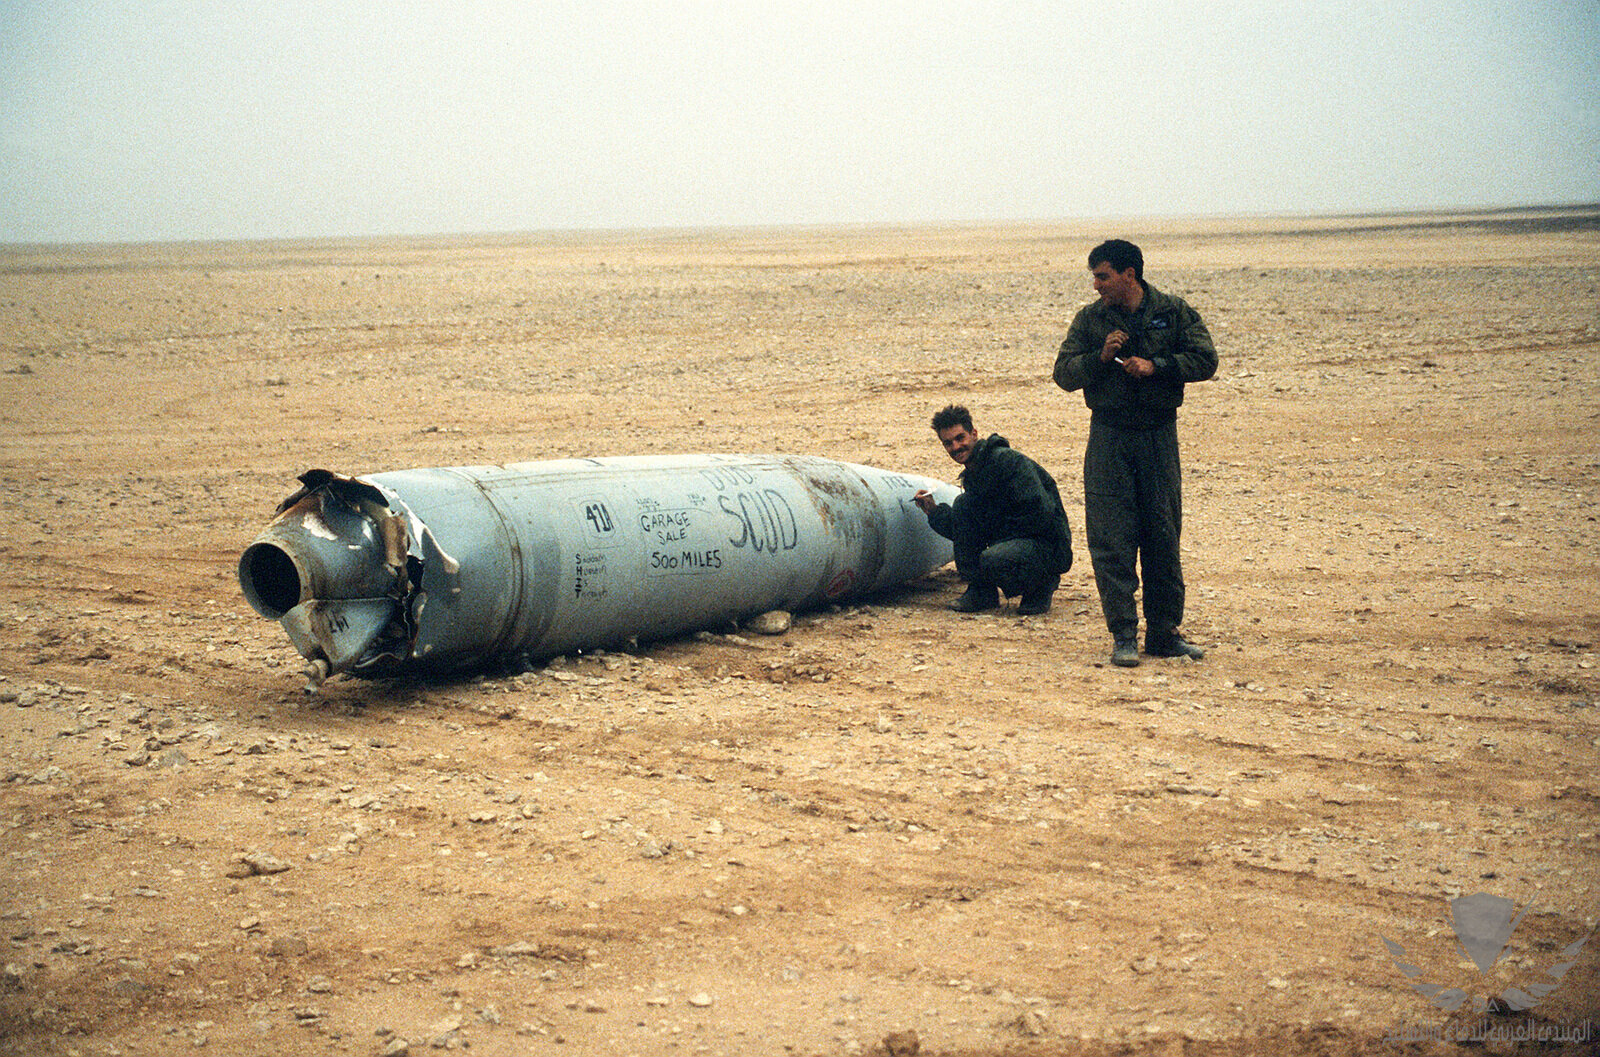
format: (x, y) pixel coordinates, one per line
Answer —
(1138, 366)
(1113, 345)
(924, 500)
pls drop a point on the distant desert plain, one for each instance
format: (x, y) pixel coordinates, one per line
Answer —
(891, 829)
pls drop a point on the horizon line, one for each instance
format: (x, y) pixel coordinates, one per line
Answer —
(680, 230)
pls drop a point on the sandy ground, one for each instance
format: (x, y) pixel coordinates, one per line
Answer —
(891, 828)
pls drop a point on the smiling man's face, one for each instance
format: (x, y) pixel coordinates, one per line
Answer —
(958, 441)
(1116, 288)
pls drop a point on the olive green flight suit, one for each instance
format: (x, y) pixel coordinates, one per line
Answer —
(1132, 481)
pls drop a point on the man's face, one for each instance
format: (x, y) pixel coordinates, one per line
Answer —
(958, 441)
(1114, 287)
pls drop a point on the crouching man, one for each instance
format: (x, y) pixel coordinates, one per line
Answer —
(1008, 526)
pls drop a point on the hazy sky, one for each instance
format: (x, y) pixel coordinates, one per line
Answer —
(144, 119)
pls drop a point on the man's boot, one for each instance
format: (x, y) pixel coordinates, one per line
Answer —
(1172, 645)
(1125, 654)
(1037, 601)
(977, 598)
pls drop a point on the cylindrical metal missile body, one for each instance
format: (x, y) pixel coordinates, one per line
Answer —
(445, 568)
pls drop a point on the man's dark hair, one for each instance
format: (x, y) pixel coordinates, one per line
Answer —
(953, 415)
(1121, 255)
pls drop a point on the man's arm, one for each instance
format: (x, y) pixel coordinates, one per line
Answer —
(939, 514)
(1082, 357)
(1194, 358)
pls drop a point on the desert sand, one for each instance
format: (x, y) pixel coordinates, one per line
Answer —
(892, 828)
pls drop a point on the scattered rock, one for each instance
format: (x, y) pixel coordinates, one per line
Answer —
(519, 949)
(128, 987)
(772, 622)
(1031, 1024)
(442, 1034)
(253, 864)
(172, 758)
(288, 947)
(898, 1044)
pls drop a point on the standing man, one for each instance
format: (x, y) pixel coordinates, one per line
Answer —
(1131, 352)
(1008, 525)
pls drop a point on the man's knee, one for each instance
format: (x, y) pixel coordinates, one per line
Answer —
(1015, 566)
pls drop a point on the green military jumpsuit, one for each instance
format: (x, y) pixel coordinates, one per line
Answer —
(1132, 485)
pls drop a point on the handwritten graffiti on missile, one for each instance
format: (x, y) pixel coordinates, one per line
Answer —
(766, 523)
(667, 524)
(723, 478)
(589, 576)
(689, 561)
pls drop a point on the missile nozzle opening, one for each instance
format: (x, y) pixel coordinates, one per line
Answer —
(270, 580)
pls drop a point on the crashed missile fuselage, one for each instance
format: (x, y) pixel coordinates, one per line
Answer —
(446, 568)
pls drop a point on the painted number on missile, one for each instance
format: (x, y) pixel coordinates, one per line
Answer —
(599, 523)
(599, 518)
